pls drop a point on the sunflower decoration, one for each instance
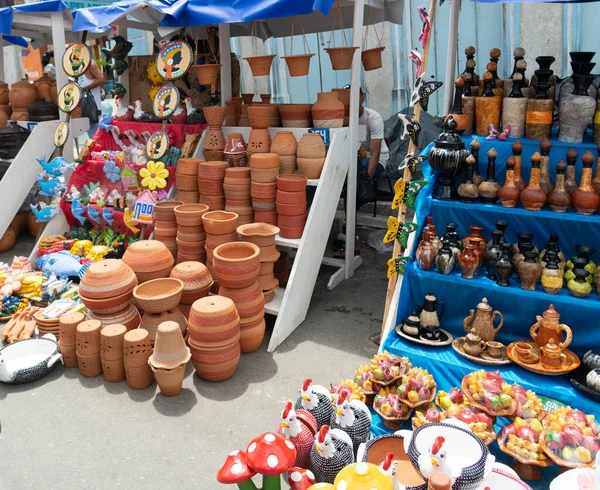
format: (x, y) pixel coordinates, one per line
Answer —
(154, 175)
(153, 75)
(153, 91)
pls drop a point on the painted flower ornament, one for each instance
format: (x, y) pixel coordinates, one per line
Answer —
(112, 171)
(416, 58)
(154, 175)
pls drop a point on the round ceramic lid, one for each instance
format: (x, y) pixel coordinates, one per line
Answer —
(69, 97)
(61, 133)
(166, 101)
(174, 60)
(484, 305)
(77, 59)
(157, 145)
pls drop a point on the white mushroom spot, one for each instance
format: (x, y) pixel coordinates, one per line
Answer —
(234, 453)
(272, 461)
(342, 485)
(252, 447)
(289, 444)
(320, 485)
(296, 476)
(310, 474)
(236, 469)
(362, 468)
(269, 437)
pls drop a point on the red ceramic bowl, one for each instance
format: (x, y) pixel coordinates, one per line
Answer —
(212, 187)
(291, 182)
(214, 203)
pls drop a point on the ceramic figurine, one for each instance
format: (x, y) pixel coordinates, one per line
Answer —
(481, 322)
(509, 193)
(316, 399)
(488, 189)
(548, 327)
(559, 199)
(541, 107)
(530, 271)
(331, 451)
(300, 478)
(299, 426)
(487, 107)
(533, 197)
(468, 261)
(445, 260)
(585, 200)
(467, 190)
(514, 108)
(473, 345)
(517, 150)
(579, 287)
(365, 476)
(552, 275)
(425, 254)
(352, 417)
(468, 103)
(570, 182)
(428, 311)
(504, 267)
(475, 145)
(493, 253)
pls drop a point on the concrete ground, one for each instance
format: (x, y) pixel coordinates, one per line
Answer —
(67, 431)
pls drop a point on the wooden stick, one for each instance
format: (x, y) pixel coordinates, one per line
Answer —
(406, 176)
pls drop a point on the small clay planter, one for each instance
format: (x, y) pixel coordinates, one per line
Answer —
(266, 268)
(371, 58)
(291, 233)
(114, 371)
(165, 210)
(213, 319)
(291, 221)
(158, 295)
(264, 161)
(265, 175)
(235, 174)
(291, 209)
(246, 219)
(211, 187)
(195, 258)
(295, 115)
(214, 203)
(139, 377)
(194, 275)
(188, 197)
(190, 238)
(249, 301)
(220, 222)
(69, 353)
(213, 241)
(168, 241)
(207, 74)
(310, 167)
(88, 338)
(214, 170)
(170, 350)
(284, 143)
(111, 342)
(68, 327)
(261, 234)
(265, 217)
(264, 190)
(269, 295)
(261, 204)
(260, 65)
(190, 248)
(215, 115)
(241, 204)
(291, 182)
(169, 381)
(286, 197)
(251, 336)
(190, 214)
(107, 278)
(287, 164)
(298, 64)
(282, 277)
(236, 264)
(136, 348)
(188, 297)
(89, 366)
(165, 228)
(236, 192)
(341, 58)
(259, 116)
(187, 166)
(186, 183)
(269, 253)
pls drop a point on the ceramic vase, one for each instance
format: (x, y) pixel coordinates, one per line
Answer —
(530, 271)
(488, 189)
(514, 109)
(493, 254)
(517, 149)
(445, 260)
(328, 111)
(468, 261)
(475, 145)
(487, 108)
(585, 200)
(576, 110)
(559, 199)
(596, 179)
(425, 254)
(533, 197)
(570, 181)
(579, 286)
(545, 182)
(552, 276)
(509, 193)
(504, 267)
(540, 109)
(467, 190)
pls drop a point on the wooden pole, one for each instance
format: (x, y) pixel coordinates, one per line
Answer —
(407, 176)
(451, 57)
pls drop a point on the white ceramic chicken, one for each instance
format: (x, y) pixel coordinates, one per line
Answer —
(353, 417)
(122, 113)
(142, 116)
(317, 400)
(437, 460)
(387, 466)
(330, 453)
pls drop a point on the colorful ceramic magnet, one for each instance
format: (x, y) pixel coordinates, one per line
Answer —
(157, 145)
(166, 101)
(69, 97)
(61, 133)
(174, 60)
(77, 59)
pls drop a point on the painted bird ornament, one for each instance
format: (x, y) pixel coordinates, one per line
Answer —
(317, 400)
(352, 417)
(300, 427)
(331, 452)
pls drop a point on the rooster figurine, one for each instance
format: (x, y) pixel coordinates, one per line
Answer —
(331, 452)
(437, 460)
(194, 116)
(353, 417)
(317, 400)
(180, 115)
(300, 427)
(122, 113)
(388, 467)
(140, 115)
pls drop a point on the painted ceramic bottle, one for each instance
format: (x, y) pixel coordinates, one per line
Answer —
(468, 261)
(475, 145)
(584, 199)
(530, 271)
(570, 181)
(468, 103)
(425, 253)
(487, 107)
(533, 197)
(559, 199)
(579, 286)
(577, 108)
(452, 239)
(501, 226)
(540, 108)
(552, 246)
(545, 182)
(596, 181)
(509, 193)
(495, 54)
(467, 190)
(456, 111)
(523, 239)
(488, 189)
(479, 253)
(517, 150)
(445, 260)
(514, 108)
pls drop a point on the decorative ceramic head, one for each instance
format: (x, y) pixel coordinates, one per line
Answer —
(289, 423)
(324, 443)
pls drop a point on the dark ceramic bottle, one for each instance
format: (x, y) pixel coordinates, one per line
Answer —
(487, 107)
(533, 197)
(530, 271)
(509, 193)
(523, 238)
(596, 180)
(445, 259)
(579, 286)
(456, 111)
(496, 85)
(495, 54)
(552, 280)
(517, 150)
(519, 67)
(552, 246)
(584, 199)
(559, 199)
(468, 261)
(467, 190)
(493, 254)
(470, 65)
(540, 109)
(545, 182)
(587, 252)
(488, 189)
(504, 267)
(570, 181)
(475, 145)
(576, 263)
(514, 108)
(451, 236)
(468, 103)
(501, 226)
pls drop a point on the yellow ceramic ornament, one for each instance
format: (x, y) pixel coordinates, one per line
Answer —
(393, 225)
(81, 248)
(321, 486)
(399, 188)
(363, 476)
(154, 175)
(129, 222)
(97, 252)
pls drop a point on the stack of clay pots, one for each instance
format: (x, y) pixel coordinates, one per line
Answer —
(237, 194)
(220, 228)
(111, 352)
(310, 155)
(149, 259)
(169, 358)
(68, 336)
(197, 283)
(263, 236)
(214, 142)
(165, 225)
(264, 170)
(88, 348)
(291, 205)
(186, 180)
(285, 145)
(214, 327)
(281, 269)
(259, 141)
(191, 237)
(137, 349)
(159, 299)
(210, 182)
(106, 289)
(22, 94)
(47, 325)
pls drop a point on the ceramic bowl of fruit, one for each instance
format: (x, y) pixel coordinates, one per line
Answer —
(392, 409)
(454, 397)
(427, 415)
(529, 405)
(489, 392)
(481, 423)
(388, 368)
(364, 377)
(570, 438)
(417, 388)
(357, 393)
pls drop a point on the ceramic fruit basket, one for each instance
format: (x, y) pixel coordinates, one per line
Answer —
(570, 438)
(529, 404)
(489, 392)
(389, 368)
(364, 377)
(357, 392)
(454, 397)
(417, 388)
(390, 407)
(159, 295)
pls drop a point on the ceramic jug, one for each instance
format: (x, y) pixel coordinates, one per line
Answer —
(428, 311)
(548, 328)
(481, 321)
(473, 345)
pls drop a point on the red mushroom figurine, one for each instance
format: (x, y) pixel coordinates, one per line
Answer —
(300, 478)
(270, 455)
(236, 470)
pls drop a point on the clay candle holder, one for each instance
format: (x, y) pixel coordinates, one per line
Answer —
(111, 352)
(236, 264)
(136, 351)
(213, 319)
(88, 348)
(149, 259)
(67, 339)
(106, 279)
(158, 295)
(196, 279)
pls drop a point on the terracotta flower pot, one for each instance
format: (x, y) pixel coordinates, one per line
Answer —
(328, 111)
(213, 319)
(109, 305)
(311, 146)
(170, 350)
(236, 264)
(213, 155)
(247, 98)
(169, 381)
(194, 275)
(259, 141)
(68, 326)
(284, 143)
(265, 175)
(237, 192)
(246, 218)
(151, 321)
(188, 197)
(165, 228)
(69, 354)
(275, 121)
(291, 209)
(214, 203)
(139, 377)
(260, 65)
(158, 295)
(249, 301)
(285, 197)
(241, 208)
(187, 183)
(287, 164)
(213, 241)
(207, 74)
(341, 58)
(259, 116)
(190, 247)
(212, 170)
(237, 175)
(291, 233)
(263, 203)
(168, 242)
(215, 115)
(296, 115)
(269, 295)
(266, 268)
(217, 364)
(107, 279)
(165, 210)
(343, 95)
(220, 222)
(263, 190)
(261, 234)
(265, 217)
(129, 317)
(137, 348)
(188, 297)
(371, 58)
(251, 336)
(291, 221)
(22, 94)
(188, 166)
(210, 187)
(111, 342)
(88, 338)
(264, 161)
(291, 183)
(298, 64)
(189, 238)
(89, 366)
(282, 277)
(310, 167)
(190, 214)
(149, 259)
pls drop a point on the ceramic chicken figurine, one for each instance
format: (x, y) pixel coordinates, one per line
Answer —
(122, 113)
(353, 417)
(389, 469)
(300, 427)
(437, 460)
(141, 116)
(331, 451)
(180, 115)
(317, 400)
(194, 116)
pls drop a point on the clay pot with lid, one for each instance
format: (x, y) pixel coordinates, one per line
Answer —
(328, 111)
(149, 259)
(108, 278)
(236, 264)
(295, 115)
(43, 87)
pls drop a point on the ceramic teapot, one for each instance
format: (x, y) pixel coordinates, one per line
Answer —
(428, 311)
(552, 355)
(473, 345)
(482, 321)
(548, 328)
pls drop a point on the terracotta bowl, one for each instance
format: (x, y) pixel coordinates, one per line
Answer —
(107, 279)
(220, 222)
(262, 204)
(261, 234)
(212, 170)
(264, 190)
(264, 160)
(194, 275)
(291, 233)
(188, 197)
(264, 216)
(147, 257)
(291, 182)
(190, 214)
(236, 264)
(191, 237)
(212, 187)
(165, 210)
(158, 295)
(109, 305)
(291, 221)
(286, 197)
(291, 209)
(214, 203)
(237, 174)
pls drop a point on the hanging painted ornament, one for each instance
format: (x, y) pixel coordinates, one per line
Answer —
(174, 60)
(409, 194)
(69, 97)
(129, 179)
(411, 161)
(157, 144)
(112, 171)
(77, 59)
(50, 186)
(93, 214)
(78, 211)
(422, 91)
(154, 175)
(130, 222)
(119, 51)
(57, 166)
(426, 26)
(399, 232)
(44, 213)
(397, 266)
(61, 133)
(411, 128)
(166, 101)
(399, 193)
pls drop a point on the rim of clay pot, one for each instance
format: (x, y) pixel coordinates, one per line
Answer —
(235, 252)
(258, 229)
(292, 179)
(219, 217)
(191, 209)
(157, 290)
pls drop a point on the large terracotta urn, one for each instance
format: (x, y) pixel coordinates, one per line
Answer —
(328, 111)
(21, 95)
(43, 87)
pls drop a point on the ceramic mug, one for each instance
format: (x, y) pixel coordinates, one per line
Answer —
(431, 332)
(524, 352)
(494, 349)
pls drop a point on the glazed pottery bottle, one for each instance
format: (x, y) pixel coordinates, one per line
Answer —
(452, 239)
(445, 260)
(570, 181)
(576, 110)
(425, 253)
(493, 254)
(508, 193)
(585, 200)
(517, 150)
(533, 197)
(479, 253)
(487, 107)
(504, 267)
(467, 190)
(475, 145)
(435, 241)
(552, 277)
(559, 199)
(596, 280)
(596, 180)
(545, 182)
(519, 59)
(428, 226)
(470, 65)
(586, 252)
(577, 263)
(495, 54)
(488, 189)
(468, 261)
(579, 287)
(517, 258)
(552, 246)
(501, 226)
(514, 108)
(530, 270)
(540, 108)
(476, 236)
(456, 111)
(468, 103)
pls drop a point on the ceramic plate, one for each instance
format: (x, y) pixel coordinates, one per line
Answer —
(69, 97)
(77, 59)
(538, 367)
(166, 101)
(174, 60)
(457, 344)
(568, 479)
(504, 478)
(445, 338)
(157, 145)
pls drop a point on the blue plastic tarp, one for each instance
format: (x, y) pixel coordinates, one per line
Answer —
(6, 19)
(17, 40)
(7, 13)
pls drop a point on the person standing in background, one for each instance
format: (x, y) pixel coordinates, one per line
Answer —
(48, 64)
(93, 79)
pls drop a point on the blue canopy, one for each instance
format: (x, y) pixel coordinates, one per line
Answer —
(18, 40)
(7, 13)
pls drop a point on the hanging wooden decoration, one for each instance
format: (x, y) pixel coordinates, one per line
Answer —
(174, 60)
(397, 232)
(61, 133)
(166, 101)
(157, 144)
(411, 128)
(426, 26)
(77, 60)
(397, 266)
(69, 97)
(407, 193)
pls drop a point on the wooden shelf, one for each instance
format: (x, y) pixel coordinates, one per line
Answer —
(287, 242)
(273, 307)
